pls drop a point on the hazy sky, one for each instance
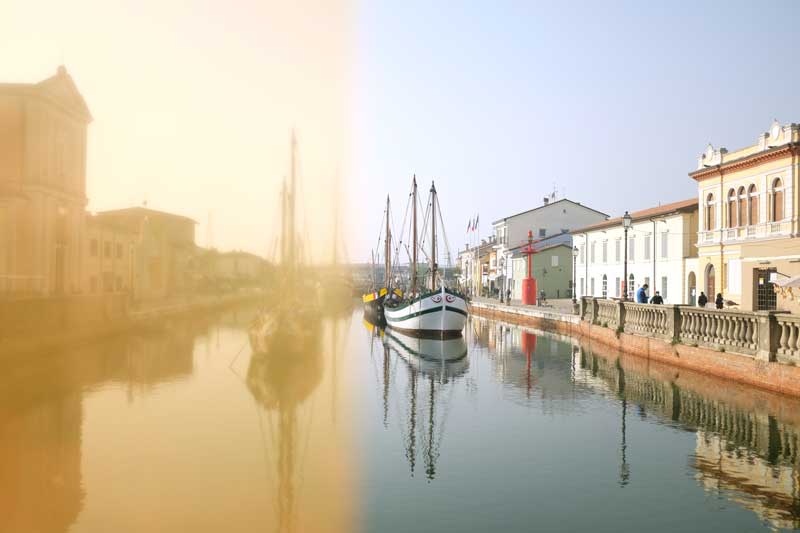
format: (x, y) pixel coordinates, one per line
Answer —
(611, 102)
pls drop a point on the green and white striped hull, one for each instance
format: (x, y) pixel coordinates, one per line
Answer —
(439, 315)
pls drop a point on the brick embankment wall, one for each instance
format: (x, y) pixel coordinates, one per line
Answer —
(771, 376)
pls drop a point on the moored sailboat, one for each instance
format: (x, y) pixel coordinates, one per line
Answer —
(374, 300)
(435, 312)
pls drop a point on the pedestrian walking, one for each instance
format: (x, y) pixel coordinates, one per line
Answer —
(508, 296)
(702, 300)
(641, 294)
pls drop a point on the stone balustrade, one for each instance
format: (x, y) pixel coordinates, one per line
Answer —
(788, 339)
(767, 335)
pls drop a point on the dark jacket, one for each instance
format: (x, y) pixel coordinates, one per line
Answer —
(641, 296)
(702, 301)
(719, 301)
(657, 299)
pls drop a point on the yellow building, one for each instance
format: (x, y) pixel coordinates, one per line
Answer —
(748, 235)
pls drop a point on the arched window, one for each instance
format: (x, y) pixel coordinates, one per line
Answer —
(732, 208)
(711, 221)
(630, 288)
(752, 218)
(605, 286)
(742, 215)
(777, 201)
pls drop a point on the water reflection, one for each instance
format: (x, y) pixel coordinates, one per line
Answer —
(42, 414)
(428, 375)
(743, 451)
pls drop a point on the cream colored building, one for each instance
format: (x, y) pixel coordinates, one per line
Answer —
(748, 228)
(43, 130)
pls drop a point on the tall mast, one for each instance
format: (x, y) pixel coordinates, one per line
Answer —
(289, 236)
(433, 236)
(414, 238)
(388, 250)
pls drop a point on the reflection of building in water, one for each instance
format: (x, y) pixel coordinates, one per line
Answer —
(772, 491)
(41, 417)
(533, 362)
(749, 455)
(40, 462)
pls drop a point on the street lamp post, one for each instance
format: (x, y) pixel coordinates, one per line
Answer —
(626, 224)
(574, 273)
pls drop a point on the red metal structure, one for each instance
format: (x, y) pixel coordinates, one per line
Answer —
(529, 283)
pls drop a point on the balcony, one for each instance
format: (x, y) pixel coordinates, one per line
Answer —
(745, 233)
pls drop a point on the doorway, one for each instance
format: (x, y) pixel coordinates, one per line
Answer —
(710, 282)
(764, 297)
(692, 286)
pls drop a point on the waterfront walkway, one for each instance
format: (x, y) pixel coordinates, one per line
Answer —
(563, 306)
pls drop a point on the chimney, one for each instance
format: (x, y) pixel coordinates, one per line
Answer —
(546, 200)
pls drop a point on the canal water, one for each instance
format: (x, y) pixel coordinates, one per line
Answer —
(181, 428)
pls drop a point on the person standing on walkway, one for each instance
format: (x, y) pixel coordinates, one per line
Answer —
(657, 299)
(720, 303)
(508, 296)
(702, 300)
(641, 294)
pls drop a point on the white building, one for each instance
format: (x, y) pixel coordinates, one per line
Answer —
(662, 249)
(547, 221)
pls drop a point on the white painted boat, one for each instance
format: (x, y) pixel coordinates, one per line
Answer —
(440, 314)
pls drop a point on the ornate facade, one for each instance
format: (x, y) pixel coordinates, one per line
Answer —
(748, 224)
(43, 130)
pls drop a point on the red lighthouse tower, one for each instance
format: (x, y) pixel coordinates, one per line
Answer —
(529, 283)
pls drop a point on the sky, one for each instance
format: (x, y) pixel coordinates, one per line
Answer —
(500, 103)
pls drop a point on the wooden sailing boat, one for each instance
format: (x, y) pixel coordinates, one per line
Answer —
(438, 312)
(294, 306)
(374, 300)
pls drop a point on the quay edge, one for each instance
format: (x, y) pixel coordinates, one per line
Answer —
(769, 375)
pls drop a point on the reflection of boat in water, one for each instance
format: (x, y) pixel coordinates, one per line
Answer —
(435, 362)
(443, 359)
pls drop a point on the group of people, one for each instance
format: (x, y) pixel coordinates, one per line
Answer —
(702, 300)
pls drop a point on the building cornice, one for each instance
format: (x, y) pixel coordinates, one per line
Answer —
(746, 162)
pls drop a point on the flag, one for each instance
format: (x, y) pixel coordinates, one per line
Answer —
(477, 218)
(469, 226)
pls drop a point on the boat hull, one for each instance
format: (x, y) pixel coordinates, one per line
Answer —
(441, 358)
(438, 315)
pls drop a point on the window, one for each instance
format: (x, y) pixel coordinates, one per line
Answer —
(646, 281)
(617, 248)
(732, 208)
(605, 251)
(733, 276)
(119, 283)
(647, 247)
(605, 286)
(664, 245)
(108, 281)
(93, 283)
(711, 215)
(616, 287)
(106, 249)
(752, 217)
(119, 250)
(631, 286)
(93, 249)
(742, 206)
(777, 201)
(583, 254)
(631, 249)
(583, 287)
(664, 287)
(542, 232)
(554, 261)
(592, 257)
(592, 286)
